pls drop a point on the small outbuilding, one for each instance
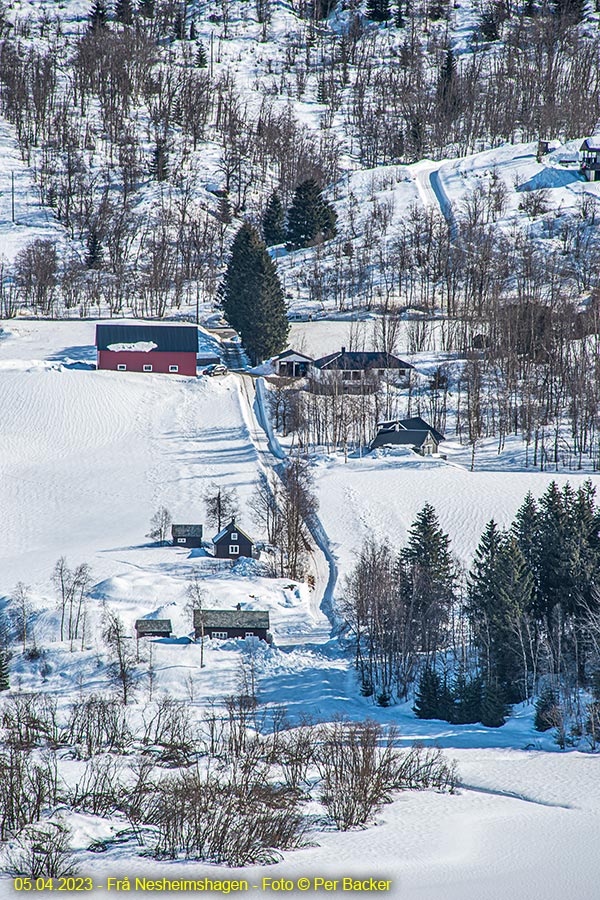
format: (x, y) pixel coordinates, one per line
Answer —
(231, 542)
(224, 624)
(413, 432)
(187, 535)
(292, 364)
(153, 628)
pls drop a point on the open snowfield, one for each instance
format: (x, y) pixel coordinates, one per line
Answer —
(86, 457)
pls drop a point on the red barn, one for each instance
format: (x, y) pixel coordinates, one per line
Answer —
(170, 349)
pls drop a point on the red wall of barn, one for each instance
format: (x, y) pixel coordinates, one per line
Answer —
(135, 361)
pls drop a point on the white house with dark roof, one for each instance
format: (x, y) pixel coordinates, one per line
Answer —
(355, 367)
(292, 364)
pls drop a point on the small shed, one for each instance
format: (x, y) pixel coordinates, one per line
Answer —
(224, 624)
(231, 542)
(187, 535)
(292, 364)
(153, 628)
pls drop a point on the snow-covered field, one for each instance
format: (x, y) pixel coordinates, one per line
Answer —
(86, 457)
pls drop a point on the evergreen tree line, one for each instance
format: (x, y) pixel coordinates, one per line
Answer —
(528, 612)
(310, 219)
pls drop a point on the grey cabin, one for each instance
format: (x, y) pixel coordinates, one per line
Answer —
(187, 535)
(223, 624)
(231, 542)
(414, 432)
(153, 628)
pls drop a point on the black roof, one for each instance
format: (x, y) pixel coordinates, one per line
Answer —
(142, 626)
(225, 532)
(346, 359)
(414, 423)
(186, 531)
(168, 338)
(407, 438)
(231, 618)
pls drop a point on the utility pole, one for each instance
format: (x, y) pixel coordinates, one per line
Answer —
(12, 182)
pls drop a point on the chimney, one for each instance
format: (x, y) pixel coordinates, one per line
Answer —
(343, 349)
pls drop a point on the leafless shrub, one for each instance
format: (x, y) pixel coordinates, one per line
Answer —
(167, 726)
(97, 724)
(28, 785)
(100, 790)
(30, 720)
(43, 851)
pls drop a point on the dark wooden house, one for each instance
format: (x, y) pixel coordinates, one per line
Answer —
(223, 624)
(153, 628)
(168, 349)
(231, 542)
(590, 158)
(187, 535)
(414, 432)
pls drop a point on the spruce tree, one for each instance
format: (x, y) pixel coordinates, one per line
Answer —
(251, 297)
(146, 8)
(494, 708)
(431, 576)
(124, 12)
(273, 221)
(193, 32)
(546, 708)
(311, 219)
(427, 694)
(399, 15)
(98, 15)
(4, 671)
(159, 165)
(94, 250)
(201, 59)
(466, 691)
(379, 10)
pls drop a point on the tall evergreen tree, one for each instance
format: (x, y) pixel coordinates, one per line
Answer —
(311, 218)
(201, 58)
(467, 694)
(159, 165)
(98, 15)
(4, 671)
(494, 708)
(428, 694)
(431, 575)
(146, 8)
(124, 11)
(379, 10)
(273, 221)
(251, 297)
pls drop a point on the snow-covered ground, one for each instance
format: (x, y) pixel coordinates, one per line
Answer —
(87, 456)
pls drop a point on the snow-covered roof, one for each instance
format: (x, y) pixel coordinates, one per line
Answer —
(178, 531)
(162, 338)
(350, 359)
(144, 626)
(231, 618)
(592, 143)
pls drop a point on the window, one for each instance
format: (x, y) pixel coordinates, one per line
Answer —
(173, 368)
(181, 540)
(234, 536)
(234, 550)
(220, 635)
(147, 368)
(121, 367)
(248, 634)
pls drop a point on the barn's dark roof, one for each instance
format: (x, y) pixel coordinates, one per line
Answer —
(178, 531)
(143, 626)
(346, 359)
(231, 618)
(168, 338)
(224, 532)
